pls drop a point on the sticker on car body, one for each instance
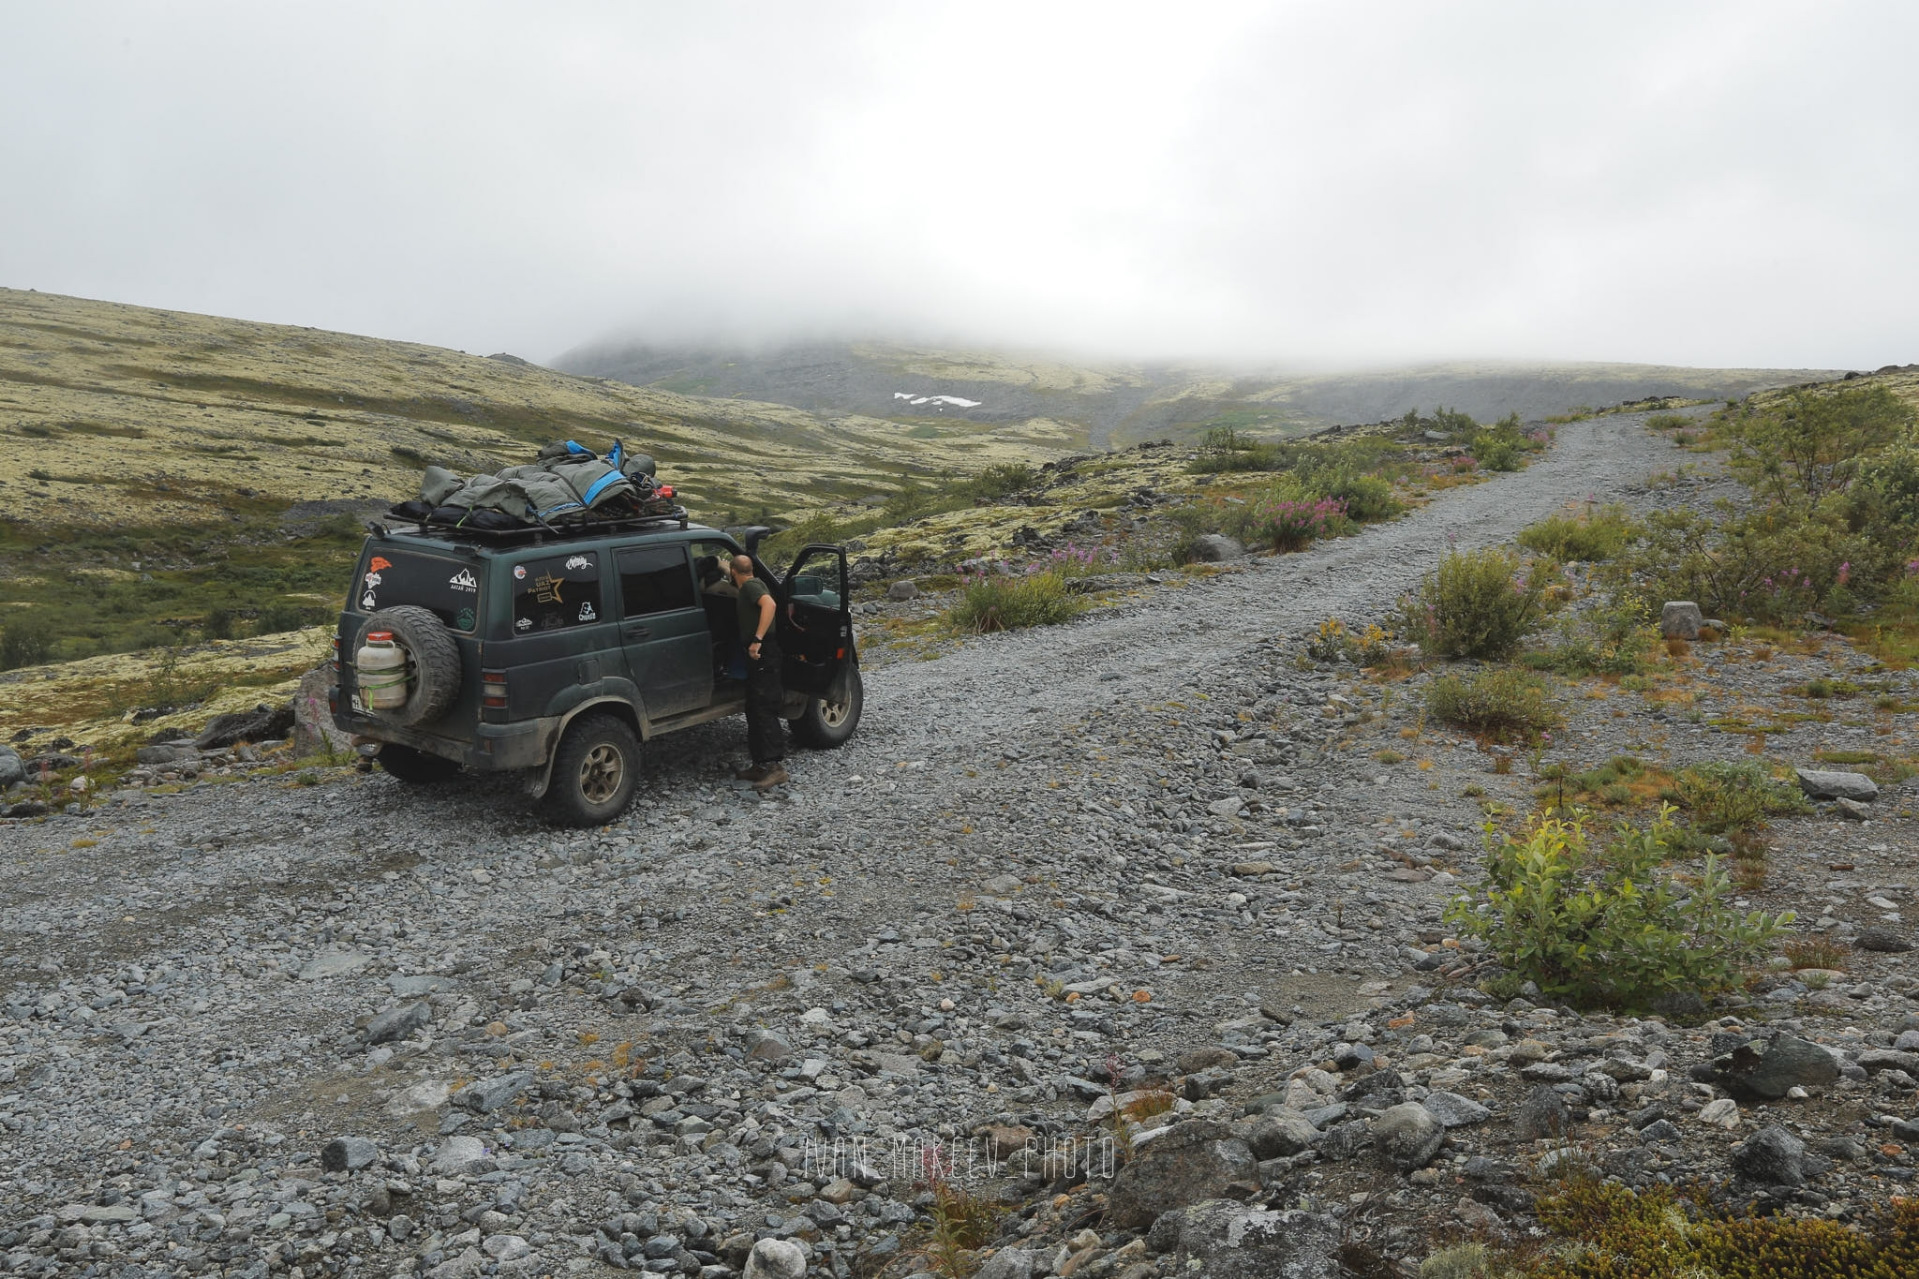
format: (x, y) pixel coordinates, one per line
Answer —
(464, 581)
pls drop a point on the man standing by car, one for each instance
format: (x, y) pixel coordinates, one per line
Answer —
(765, 735)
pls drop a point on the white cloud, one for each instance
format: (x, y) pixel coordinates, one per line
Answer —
(1713, 184)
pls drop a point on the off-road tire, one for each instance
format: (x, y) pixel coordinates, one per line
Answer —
(435, 682)
(828, 722)
(595, 772)
(416, 767)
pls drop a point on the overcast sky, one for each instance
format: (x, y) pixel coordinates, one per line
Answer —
(1716, 184)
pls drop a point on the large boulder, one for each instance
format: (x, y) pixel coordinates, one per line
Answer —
(1767, 1069)
(12, 770)
(1772, 1157)
(1819, 783)
(313, 730)
(1216, 548)
(260, 724)
(1681, 619)
(1225, 1240)
(1409, 1135)
(1196, 1160)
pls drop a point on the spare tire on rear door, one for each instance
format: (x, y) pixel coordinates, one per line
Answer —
(433, 662)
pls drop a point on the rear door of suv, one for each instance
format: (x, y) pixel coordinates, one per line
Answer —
(558, 638)
(663, 630)
(816, 626)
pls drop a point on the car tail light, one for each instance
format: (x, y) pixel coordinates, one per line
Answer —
(493, 690)
(335, 663)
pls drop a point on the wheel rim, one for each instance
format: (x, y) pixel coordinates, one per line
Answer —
(601, 773)
(835, 711)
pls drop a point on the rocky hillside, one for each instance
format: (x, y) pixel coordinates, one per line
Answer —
(1123, 403)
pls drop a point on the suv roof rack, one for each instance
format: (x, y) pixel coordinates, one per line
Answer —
(533, 534)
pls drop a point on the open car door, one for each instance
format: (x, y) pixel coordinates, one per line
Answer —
(816, 621)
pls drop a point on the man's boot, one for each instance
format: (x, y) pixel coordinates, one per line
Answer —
(751, 773)
(775, 775)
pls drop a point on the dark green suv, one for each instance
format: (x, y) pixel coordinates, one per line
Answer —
(553, 654)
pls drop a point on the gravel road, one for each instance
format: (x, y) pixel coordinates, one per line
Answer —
(1137, 808)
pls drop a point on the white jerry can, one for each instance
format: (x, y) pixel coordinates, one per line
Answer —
(383, 674)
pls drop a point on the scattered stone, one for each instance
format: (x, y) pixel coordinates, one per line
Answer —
(1823, 784)
(1721, 1112)
(1766, 1069)
(903, 590)
(334, 962)
(1852, 808)
(1280, 1133)
(347, 1154)
(459, 1154)
(776, 1259)
(1681, 619)
(1195, 1160)
(1542, 1114)
(1453, 1110)
(1216, 548)
(491, 1094)
(397, 1023)
(260, 724)
(1772, 1156)
(1883, 940)
(1409, 1135)
(1225, 1240)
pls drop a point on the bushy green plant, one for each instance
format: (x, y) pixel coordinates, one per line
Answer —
(1591, 533)
(1478, 603)
(1815, 441)
(1502, 703)
(1723, 797)
(23, 643)
(1610, 927)
(1612, 638)
(1010, 602)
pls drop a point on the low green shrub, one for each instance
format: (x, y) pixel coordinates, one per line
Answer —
(23, 643)
(1726, 798)
(1476, 604)
(1613, 638)
(1502, 703)
(1591, 533)
(1007, 602)
(1610, 927)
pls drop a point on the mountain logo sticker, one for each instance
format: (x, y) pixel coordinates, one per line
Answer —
(586, 612)
(464, 581)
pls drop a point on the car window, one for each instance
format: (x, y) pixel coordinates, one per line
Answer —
(655, 579)
(556, 593)
(448, 588)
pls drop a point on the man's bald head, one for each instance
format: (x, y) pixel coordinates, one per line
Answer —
(741, 566)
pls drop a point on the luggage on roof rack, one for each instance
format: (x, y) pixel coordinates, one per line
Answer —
(568, 484)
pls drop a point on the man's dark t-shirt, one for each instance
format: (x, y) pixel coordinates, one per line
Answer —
(750, 596)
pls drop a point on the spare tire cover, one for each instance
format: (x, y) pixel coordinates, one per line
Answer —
(435, 665)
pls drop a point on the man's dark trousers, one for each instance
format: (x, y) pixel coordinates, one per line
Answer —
(765, 697)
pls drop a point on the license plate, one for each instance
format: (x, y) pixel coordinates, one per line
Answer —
(358, 709)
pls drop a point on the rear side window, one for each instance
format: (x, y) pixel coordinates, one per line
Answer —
(449, 588)
(655, 579)
(557, 593)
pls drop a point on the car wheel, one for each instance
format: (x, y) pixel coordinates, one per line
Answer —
(595, 772)
(829, 721)
(416, 767)
(433, 673)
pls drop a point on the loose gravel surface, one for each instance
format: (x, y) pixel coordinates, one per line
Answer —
(331, 1023)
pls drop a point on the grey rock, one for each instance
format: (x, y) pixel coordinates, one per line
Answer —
(313, 729)
(1883, 940)
(775, 1259)
(397, 1023)
(1660, 1130)
(1824, 784)
(1216, 548)
(459, 1154)
(257, 725)
(1767, 1069)
(1009, 1263)
(903, 590)
(1681, 619)
(347, 1154)
(1225, 1240)
(166, 753)
(1409, 1135)
(1874, 1060)
(1453, 1110)
(1195, 1160)
(1852, 808)
(490, 1094)
(1772, 1157)
(1542, 1114)
(767, 1046)
(1343, 1141)
(11, 769)
(1279, 1133)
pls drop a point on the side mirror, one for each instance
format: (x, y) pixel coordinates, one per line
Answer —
(751, 537)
